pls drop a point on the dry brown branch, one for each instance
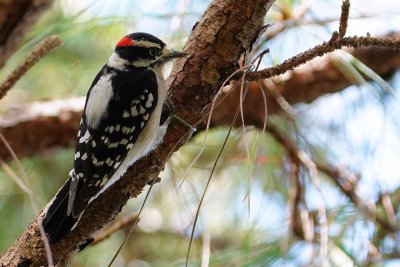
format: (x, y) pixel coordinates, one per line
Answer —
(39, 51)
(51, 124)
(322, 49)
(16, 18)
(344, 18)
(296, 200)
(224, 32)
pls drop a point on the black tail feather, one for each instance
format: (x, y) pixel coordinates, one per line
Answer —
(56, 222)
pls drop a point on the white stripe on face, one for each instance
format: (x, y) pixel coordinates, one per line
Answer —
(143, 43)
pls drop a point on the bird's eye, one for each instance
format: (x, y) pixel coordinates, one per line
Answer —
(154, 52)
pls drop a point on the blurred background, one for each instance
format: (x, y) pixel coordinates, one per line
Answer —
(262, 208)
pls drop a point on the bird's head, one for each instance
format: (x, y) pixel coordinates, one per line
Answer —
(141, 50)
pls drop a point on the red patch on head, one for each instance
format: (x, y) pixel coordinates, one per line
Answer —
(126, 41)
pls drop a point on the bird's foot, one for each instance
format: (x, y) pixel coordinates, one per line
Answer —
(169, 107)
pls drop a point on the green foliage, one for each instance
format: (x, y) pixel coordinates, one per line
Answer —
(244, 220)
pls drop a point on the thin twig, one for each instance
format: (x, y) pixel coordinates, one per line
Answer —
(133, 226)
(18, 180)
(246, 144)
(23, 185)
(209, 114)
(344, 18)
(387, 205)
(294, 199)
(320, 50)
(239, 109)
(212, 172)
(247, 147)
(207, 184)
(119, 224)
(39, 51)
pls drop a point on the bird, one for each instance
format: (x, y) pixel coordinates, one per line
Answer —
(121, 123)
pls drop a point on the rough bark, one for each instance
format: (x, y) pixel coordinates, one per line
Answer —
(16, 18)
(224, 32)
(53, 124)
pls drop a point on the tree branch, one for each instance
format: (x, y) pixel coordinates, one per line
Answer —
(39, 51)
(51, 124)
(326, 47)
(16, 18)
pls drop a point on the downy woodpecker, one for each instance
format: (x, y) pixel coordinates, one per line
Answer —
(120, 124)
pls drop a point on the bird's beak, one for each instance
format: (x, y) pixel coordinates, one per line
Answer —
(169, 54)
